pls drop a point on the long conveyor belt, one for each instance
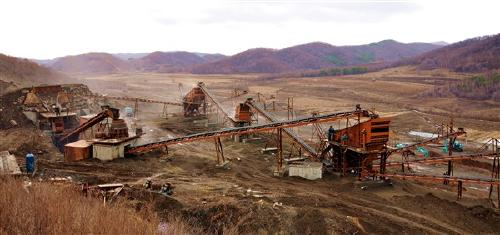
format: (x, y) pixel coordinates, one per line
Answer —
(246, 129)
(143, 100)
(442, 159)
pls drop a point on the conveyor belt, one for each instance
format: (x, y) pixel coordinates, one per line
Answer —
(143, 100)
(442, 159)
(442, 178)
(245, 130)
(91, 122)
(289, 132)
(454, 134)
(209, 95)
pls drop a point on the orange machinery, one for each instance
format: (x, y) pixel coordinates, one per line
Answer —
(370, 135)
(355, 146)
(194, 103)
(243, 113)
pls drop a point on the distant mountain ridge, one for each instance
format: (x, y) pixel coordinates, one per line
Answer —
(310, 56)
(314, 55)
(479, 54)
(91, 63)
(172, 61)
(130, 56)
(105, 63)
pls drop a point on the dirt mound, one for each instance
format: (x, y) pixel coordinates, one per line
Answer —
(310, 222)
(6, 87)
(22, 140)
(215, 218)
(476, 219)
(244, 218)
(163, 205)
(10, 111)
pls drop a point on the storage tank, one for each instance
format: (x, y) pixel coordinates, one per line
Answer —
(30, 163)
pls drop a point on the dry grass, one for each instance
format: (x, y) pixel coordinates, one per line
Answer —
(43, 208)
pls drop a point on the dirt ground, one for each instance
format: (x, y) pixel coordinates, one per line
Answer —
(246, 198)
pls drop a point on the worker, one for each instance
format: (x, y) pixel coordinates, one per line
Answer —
(30, 163)
(57, 110)
(331, 133)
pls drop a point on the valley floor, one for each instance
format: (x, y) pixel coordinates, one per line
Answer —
(247, 198)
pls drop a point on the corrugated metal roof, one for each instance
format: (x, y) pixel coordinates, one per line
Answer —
(53, 115)
(78, 144)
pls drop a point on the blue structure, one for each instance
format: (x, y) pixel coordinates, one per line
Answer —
(423, 151)
(30, 163)
(456, 146)
(400, 145)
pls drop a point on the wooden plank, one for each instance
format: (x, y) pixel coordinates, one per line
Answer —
(8, 164)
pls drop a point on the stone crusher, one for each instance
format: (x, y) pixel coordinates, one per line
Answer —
(116, 129)
(194, 103)
(352, 145)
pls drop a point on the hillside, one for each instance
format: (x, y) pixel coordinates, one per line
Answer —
(172, 61)
(479, 87)
(473, 55)
(22, 72)
(104, 63)
(130, 56)
(315, 55)
(91, 63)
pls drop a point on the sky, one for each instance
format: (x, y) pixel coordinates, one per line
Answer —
(53, 28)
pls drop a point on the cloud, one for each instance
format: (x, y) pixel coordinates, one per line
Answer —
(276, 12)
(47, 29)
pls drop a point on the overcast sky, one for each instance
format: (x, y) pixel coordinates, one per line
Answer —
(52, 28)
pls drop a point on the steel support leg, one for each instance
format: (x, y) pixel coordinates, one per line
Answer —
(279, 159)
(495, 173)
(459, 190)
(136, 109)
(344, 162)
(219, 151)
(449, 171)
(383, 159)
(164, 112)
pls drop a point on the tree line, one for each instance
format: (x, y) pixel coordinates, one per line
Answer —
(478, 87)
(336, 72)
